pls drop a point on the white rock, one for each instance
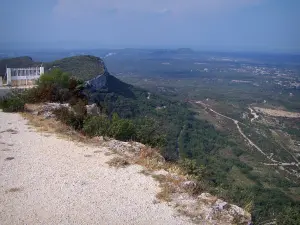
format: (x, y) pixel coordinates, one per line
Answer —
(93, 110)
(188, 184)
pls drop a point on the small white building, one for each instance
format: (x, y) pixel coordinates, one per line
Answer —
(23, 76)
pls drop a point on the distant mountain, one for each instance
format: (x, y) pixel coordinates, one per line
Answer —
(171, 52)
(184, 51)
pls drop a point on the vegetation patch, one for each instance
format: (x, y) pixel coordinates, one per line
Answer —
(14, 102)
(9, 158)
(166, 191)
(118, 162)
(13, 190)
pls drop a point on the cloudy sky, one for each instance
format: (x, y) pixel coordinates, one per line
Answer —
(252, 25)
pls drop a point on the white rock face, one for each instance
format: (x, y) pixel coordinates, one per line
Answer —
(213, 209)
(93, 110)
(130, 149)
(45, 110)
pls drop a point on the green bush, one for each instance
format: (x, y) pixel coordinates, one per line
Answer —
(54, 77)
(121, 129)
(148, 132)
(192, 168)
(13, 103)
(237, 151)
(54, 86)
(69, 117)
(96, 126)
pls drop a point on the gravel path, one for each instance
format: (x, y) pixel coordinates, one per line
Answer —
(47, 180)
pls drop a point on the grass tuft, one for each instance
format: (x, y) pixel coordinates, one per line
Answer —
(118, 162)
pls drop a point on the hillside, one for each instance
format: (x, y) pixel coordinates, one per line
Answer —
(83, 67)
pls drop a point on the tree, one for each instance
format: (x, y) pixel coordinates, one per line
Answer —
(121, 129)
(289, 216)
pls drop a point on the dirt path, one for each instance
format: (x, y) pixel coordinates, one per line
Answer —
(47, 180)
(236, 122)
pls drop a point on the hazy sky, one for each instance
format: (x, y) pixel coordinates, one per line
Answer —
(263, 25)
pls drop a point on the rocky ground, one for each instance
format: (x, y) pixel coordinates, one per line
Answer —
(47, 180)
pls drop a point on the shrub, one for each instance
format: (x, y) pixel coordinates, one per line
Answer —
(68, 117)
(237, 151)
(13, 103)
(96, 126)
(63, 95)
(121, 129)
(55, 77)
(54, 86)
(148, 132)
(192, 168)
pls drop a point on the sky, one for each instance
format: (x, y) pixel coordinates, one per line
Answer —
(233, 25)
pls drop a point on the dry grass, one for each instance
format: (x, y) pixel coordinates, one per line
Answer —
(171, 182)
(12, 190)
(118, 162)
(53, 126)
(169, 185)
(33, 107)
(151, 159)
(166, 193)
